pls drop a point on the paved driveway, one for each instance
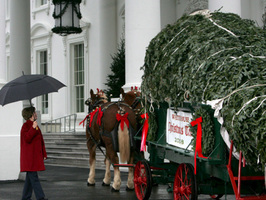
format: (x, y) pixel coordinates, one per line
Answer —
(63, 183)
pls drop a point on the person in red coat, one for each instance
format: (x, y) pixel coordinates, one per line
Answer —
(32, 154)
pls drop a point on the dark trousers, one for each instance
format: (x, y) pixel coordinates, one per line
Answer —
(32, 183)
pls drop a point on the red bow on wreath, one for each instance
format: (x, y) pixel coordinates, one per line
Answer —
(198, 148)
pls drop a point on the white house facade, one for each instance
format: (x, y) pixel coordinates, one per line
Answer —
(82, 61)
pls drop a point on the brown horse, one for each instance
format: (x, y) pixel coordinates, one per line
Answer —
(132, 98)
(106, 125)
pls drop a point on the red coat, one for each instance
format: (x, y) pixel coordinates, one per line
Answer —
(32, 148)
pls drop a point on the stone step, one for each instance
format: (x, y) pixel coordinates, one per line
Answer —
(59, 137)
(72, 154)
(67, 161)
(66, 143)
(60, 148)
(62, 140)
(65, 135)
(70, 161)
(68, 150)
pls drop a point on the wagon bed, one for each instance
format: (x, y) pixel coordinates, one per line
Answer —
(219, 174)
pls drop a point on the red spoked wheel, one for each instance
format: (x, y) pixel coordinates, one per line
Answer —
(185, 186)
(214, 196)
(142, 180)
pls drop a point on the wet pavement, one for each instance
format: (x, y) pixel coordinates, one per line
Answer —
(69, 183)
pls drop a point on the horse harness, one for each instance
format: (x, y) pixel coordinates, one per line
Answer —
(102, 131)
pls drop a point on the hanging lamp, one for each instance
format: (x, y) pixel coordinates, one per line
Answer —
(67, 15)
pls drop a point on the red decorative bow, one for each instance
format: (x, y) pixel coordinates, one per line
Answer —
(198, 149)
(122, 118)
(144, 131)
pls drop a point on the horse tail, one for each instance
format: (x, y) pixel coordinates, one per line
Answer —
(124, 145)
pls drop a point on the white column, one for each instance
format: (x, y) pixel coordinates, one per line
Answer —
(103, 41)
(228, 6)
(2, 44)
(142, 24)
(20, 55)
(10, 115)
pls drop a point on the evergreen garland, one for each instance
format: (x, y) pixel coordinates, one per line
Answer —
(214, 57)
(116, 79)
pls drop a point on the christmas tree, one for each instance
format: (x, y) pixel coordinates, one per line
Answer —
(116, 79)
(214, 56)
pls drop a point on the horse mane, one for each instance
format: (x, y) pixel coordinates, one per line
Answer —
(130, 96)
(102, 95)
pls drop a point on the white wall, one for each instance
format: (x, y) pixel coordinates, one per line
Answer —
(143, 22)
(168, 12)
(181, 5)
(253, 9)
(10, 126)
(226, 6)
(10, 123)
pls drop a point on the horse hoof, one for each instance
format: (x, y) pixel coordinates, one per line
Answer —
(114, 190)
(104, 184)
(129, 189)
(90, 184)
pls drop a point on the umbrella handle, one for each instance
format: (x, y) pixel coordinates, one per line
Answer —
(30, 103)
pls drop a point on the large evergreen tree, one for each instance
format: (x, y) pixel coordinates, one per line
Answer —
(116, 79)
(214, 57)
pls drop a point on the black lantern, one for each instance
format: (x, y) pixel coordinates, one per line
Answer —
(67, 15)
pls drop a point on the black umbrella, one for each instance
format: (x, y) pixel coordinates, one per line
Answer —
(27, 87)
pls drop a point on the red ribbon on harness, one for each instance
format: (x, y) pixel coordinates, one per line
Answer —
(122, 118)
(198, 148)
(82, 122)
(99, 118)
(92, 115)
(144, 131)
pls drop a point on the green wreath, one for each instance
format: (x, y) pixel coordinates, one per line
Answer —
(208, 137)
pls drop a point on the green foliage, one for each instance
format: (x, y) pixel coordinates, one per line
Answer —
(116, 79)
(208, 58)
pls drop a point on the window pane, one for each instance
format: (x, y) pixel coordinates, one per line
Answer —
(43, 70)
(79, 77)
(43, 2)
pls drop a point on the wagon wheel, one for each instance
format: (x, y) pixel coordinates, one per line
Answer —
(185, 186)
(142, 180)
(214, 196)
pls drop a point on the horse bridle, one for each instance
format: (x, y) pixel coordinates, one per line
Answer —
(91, 106)
(135, 103)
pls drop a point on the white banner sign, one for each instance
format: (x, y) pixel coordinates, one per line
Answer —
(177, 125)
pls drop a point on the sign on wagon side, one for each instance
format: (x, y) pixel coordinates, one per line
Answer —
(178, 133)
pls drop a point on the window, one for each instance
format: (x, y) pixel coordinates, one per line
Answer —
(79, 77)
(43, 2)
(40, 3)
(43, 70)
